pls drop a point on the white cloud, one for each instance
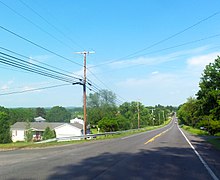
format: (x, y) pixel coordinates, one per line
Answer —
(202, 60)
(155, 60)
(7, 85)
(155, 72)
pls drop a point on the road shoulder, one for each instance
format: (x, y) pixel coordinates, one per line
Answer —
(210, 154)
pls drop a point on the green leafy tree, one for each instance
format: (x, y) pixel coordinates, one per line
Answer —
(48, 134)
(108, 125)
(40, 112)
(5, 135)
(58, 114)
(188, 112)
(123, 123)
(28, 132)
(21, 115)
(209, 93)
(101, 105)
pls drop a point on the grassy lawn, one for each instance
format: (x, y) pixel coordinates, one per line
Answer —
(30, 145)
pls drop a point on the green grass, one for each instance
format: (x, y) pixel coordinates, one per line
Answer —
(215, 142)
(30, 145)
(194, 130)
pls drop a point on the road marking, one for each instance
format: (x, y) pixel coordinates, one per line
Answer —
(200, 157)
(158, 135)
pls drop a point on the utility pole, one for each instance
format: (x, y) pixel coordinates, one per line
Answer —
(84, 89)
(138, 108)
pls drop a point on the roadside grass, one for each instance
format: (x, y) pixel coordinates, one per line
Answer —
(215, 141)
(194, 130)
(31, 145)
(132, 131)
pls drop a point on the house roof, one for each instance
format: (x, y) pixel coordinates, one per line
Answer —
(37, 119)
(41, 126)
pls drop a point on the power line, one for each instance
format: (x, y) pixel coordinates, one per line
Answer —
(50, 24)
(39, 46)
(37, 26)
(30, 90)
(80, 77)
(22, 64)
(103, 83)
(161, 41)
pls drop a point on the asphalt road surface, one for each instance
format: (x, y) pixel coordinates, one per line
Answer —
(158, 154)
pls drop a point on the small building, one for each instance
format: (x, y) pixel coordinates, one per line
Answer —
(39, 119)
(62, 130)
(77, 120)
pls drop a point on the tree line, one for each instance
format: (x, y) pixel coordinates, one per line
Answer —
(102, 113)
(203, 111)
(106, 115)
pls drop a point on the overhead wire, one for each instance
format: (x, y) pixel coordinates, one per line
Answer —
(161, 41)
(51, 25)
(160, 50)
(32, 59)
(34, 89)
(37, 26)
(104, 83)
(39, 46)
(25, 65)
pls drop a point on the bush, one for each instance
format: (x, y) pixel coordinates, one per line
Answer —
(108, 125)
(5, 136)
(48, 134)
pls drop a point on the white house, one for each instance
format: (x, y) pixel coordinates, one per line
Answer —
(77, 120)
(62, 130)
(69, 130)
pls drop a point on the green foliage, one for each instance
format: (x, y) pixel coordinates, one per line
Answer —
(101, 105)
(108, 125)
(205, 110)
(209, 93)
(194, 130)
(48, 134)
(40, 112)
(21, 115)
(28, 132)
(5, 136)
(188, 112)
(58, 114)
(123, 123)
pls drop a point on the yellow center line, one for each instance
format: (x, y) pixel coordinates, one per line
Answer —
(158, 135)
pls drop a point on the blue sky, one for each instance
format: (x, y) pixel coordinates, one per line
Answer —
(150, 51)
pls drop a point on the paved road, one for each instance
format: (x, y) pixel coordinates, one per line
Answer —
(159, 154)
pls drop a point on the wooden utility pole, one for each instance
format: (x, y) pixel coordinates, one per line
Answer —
(138, 108)
(84, 90)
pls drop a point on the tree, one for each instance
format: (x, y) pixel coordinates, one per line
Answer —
(188, 112)
(123, 123)
(209, 93)
(5, 136)
(58, 114)
(28, 132)
(40, 112)
(48, 134)
(108, 125)
(21, 115)
(101, 105)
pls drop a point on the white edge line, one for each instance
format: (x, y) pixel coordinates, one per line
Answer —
(201, 159)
